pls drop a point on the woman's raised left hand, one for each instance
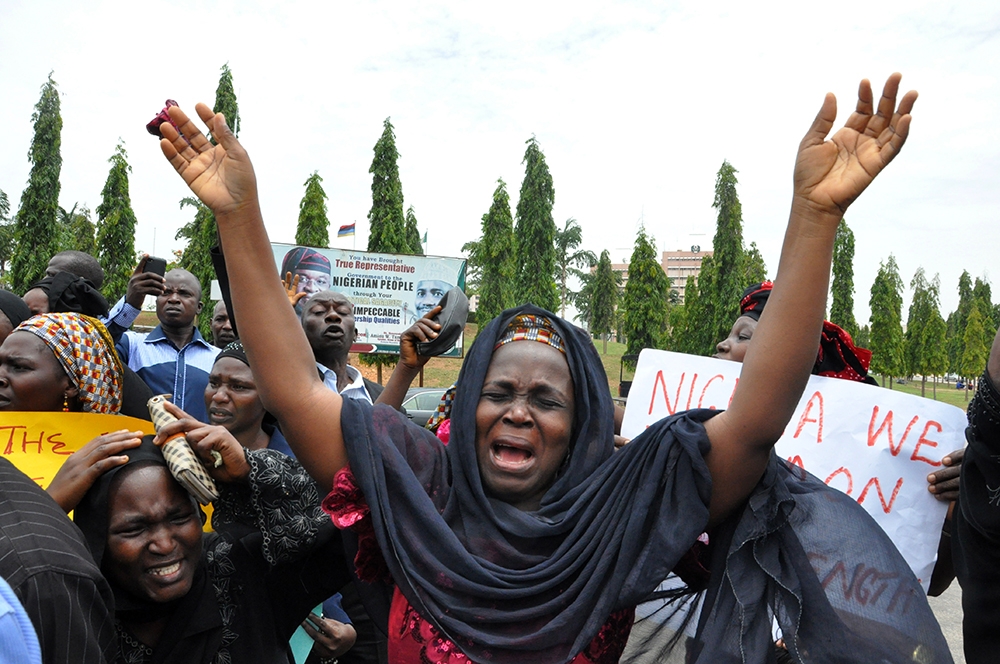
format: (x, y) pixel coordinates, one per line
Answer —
(831, 174)
(204, 438)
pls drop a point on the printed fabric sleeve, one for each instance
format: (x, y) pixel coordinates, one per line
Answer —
(72, 617)
(279, 500)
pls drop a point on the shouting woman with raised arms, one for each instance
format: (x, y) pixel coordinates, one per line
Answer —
(527, 539)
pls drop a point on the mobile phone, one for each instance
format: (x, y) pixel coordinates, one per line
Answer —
(156, 265)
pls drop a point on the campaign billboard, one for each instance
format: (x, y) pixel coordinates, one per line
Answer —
(389, 291)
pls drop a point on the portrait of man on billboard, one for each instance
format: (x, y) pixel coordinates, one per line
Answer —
(434, 280)
(311, 267)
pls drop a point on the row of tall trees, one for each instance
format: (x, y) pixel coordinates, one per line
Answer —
(526, 258)
(929, 345)
(41, 228)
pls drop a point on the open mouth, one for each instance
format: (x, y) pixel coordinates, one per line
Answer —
(510, 455)
(219, 415)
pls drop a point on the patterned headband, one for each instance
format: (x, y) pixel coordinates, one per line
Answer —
(528, 327)
(87, 354)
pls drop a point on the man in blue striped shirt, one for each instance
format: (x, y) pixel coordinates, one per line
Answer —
(174, 358)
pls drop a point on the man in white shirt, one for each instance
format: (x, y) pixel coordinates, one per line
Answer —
(328, 321)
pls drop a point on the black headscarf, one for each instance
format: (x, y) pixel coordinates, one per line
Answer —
(512, 586)
(14, 308)
(92, 517)
(68, 292)
(234, 349)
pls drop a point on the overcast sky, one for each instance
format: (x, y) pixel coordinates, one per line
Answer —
(635, 105)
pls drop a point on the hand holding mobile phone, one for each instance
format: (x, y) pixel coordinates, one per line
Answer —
(156, 265)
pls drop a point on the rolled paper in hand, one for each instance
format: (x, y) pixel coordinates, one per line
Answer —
(183, 462)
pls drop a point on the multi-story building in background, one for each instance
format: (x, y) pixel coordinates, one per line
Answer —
(678, 266)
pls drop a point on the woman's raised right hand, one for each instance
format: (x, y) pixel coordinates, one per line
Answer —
(220, 175)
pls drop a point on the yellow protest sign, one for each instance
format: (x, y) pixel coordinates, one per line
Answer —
(39, 442)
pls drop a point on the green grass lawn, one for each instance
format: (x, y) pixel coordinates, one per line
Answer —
(946, 392)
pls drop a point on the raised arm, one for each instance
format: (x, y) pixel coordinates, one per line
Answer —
(829, 176)
(284, 369)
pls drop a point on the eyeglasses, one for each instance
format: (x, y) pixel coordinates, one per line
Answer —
(322, 283)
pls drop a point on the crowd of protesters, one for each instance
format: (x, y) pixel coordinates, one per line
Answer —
(513, 528)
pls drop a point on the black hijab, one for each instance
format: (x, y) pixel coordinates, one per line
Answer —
(68, 292)
(193, 619)
(14, 308)
(513, 586)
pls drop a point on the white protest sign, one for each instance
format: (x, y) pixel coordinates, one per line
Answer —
(874, 444)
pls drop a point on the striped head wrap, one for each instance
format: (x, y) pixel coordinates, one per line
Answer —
(525, 327)
(87, 354)
(528, 327)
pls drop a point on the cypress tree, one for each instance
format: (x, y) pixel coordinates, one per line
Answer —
(495, 257)
(35, 228)
(886, 322)
(413, 243)
(386, 225)
(723, 275)
(225, 101)
(82, 232)
(201, 231)
(197, 259)
(535, 233)
(6, 235)
(604, 298)
(116, 227)
(975, 351)
(937, 353)
(923, 308)
(313, 229)
(754, 268)
(957, 321)
(842, 305)
(982, 297)
(644, 304)
(727, 257)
